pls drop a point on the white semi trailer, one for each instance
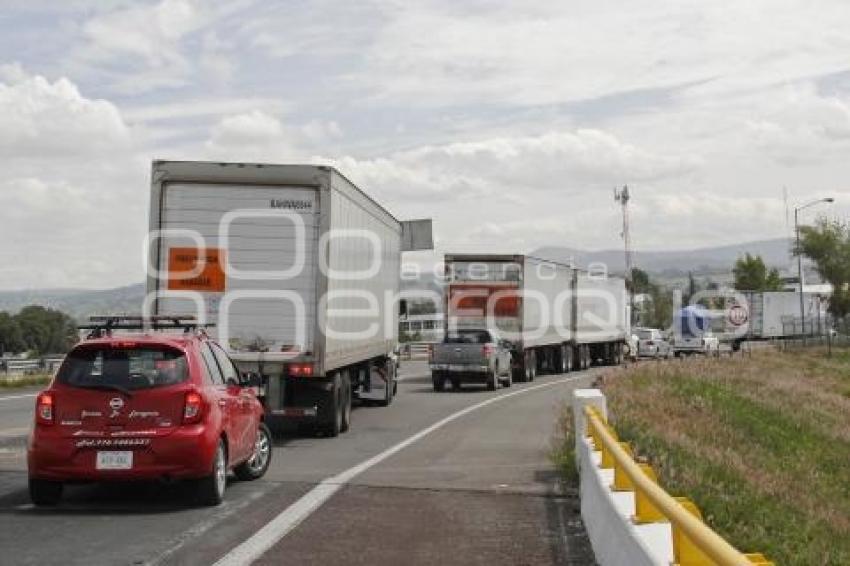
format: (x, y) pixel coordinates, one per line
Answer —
(556, 316)
(298, 269)
(757, 315)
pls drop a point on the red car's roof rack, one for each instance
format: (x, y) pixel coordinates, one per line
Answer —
(103, 325)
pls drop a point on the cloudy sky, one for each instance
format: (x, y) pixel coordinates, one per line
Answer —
(509, 123)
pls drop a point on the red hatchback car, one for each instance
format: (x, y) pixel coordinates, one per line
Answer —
(147, 406)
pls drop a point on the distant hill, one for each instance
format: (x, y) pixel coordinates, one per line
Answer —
(665, 265)
(79, 303)
(672, 264)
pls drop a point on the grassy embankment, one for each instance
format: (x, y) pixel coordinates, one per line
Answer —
(12, 381)
(761, 444)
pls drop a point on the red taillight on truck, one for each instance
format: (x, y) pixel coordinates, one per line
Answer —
(45, 409)
(487, 350)
(301, 370)
(193, 408)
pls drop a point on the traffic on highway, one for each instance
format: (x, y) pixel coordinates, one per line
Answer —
(424, 283)
(257, 399)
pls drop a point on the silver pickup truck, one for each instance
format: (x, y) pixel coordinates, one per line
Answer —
(471, 356)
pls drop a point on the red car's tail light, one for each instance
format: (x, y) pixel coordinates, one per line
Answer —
(45, 409)
(301, 370)
(193, 408)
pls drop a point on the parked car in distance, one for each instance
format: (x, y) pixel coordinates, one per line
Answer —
(475, 355)
(147, 406)
(652, 343)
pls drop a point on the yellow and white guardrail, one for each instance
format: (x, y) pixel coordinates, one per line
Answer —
(629, 518)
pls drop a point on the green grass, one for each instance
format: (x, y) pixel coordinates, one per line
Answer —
(9, 382)
(563, 453)
(761, 445)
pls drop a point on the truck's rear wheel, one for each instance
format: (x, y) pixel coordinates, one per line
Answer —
(533, 364)
(493, 379)
(345, 409)
(564, 360)
(584, 352)
(530, 365)
(331, 409)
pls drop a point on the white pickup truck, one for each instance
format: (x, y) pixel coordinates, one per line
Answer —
(473, 355)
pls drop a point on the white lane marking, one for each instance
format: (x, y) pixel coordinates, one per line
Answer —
(261, 541)
(12, 397)
(225, 511)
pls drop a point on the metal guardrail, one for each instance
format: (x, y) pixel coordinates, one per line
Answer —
(415, 350)
(694, 543)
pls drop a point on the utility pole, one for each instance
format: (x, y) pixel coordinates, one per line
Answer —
(623, 197)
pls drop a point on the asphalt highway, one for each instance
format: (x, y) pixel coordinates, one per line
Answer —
(436, 478)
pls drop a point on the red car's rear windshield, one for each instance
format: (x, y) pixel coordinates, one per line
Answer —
(128, 369)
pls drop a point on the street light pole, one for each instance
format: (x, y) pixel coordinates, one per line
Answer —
(800, 257)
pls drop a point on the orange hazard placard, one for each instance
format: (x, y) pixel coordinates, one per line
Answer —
(185, 273)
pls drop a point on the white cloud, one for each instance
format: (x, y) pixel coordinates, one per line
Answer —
(74, 191)
(510, 168)
(447, 53)
(251, 136)
(43, 118)
(151, 40)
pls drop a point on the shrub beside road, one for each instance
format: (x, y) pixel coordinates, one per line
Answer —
(761, 444)
(12, 381)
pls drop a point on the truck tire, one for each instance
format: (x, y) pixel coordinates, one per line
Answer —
(531, 365)
(576, 357)
(563, 359)
(345, 391)
(456, 383)
(492, 380)
(523, 375)
(330, 410)
(439, 381)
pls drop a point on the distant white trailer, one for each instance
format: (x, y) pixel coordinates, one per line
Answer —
(558, 317)
(298, 268)
(775, 314)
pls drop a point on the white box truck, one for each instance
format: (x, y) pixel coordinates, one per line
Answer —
(556, 316)
(297, 268)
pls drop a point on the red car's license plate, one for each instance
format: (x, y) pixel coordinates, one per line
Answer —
(114, 460)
